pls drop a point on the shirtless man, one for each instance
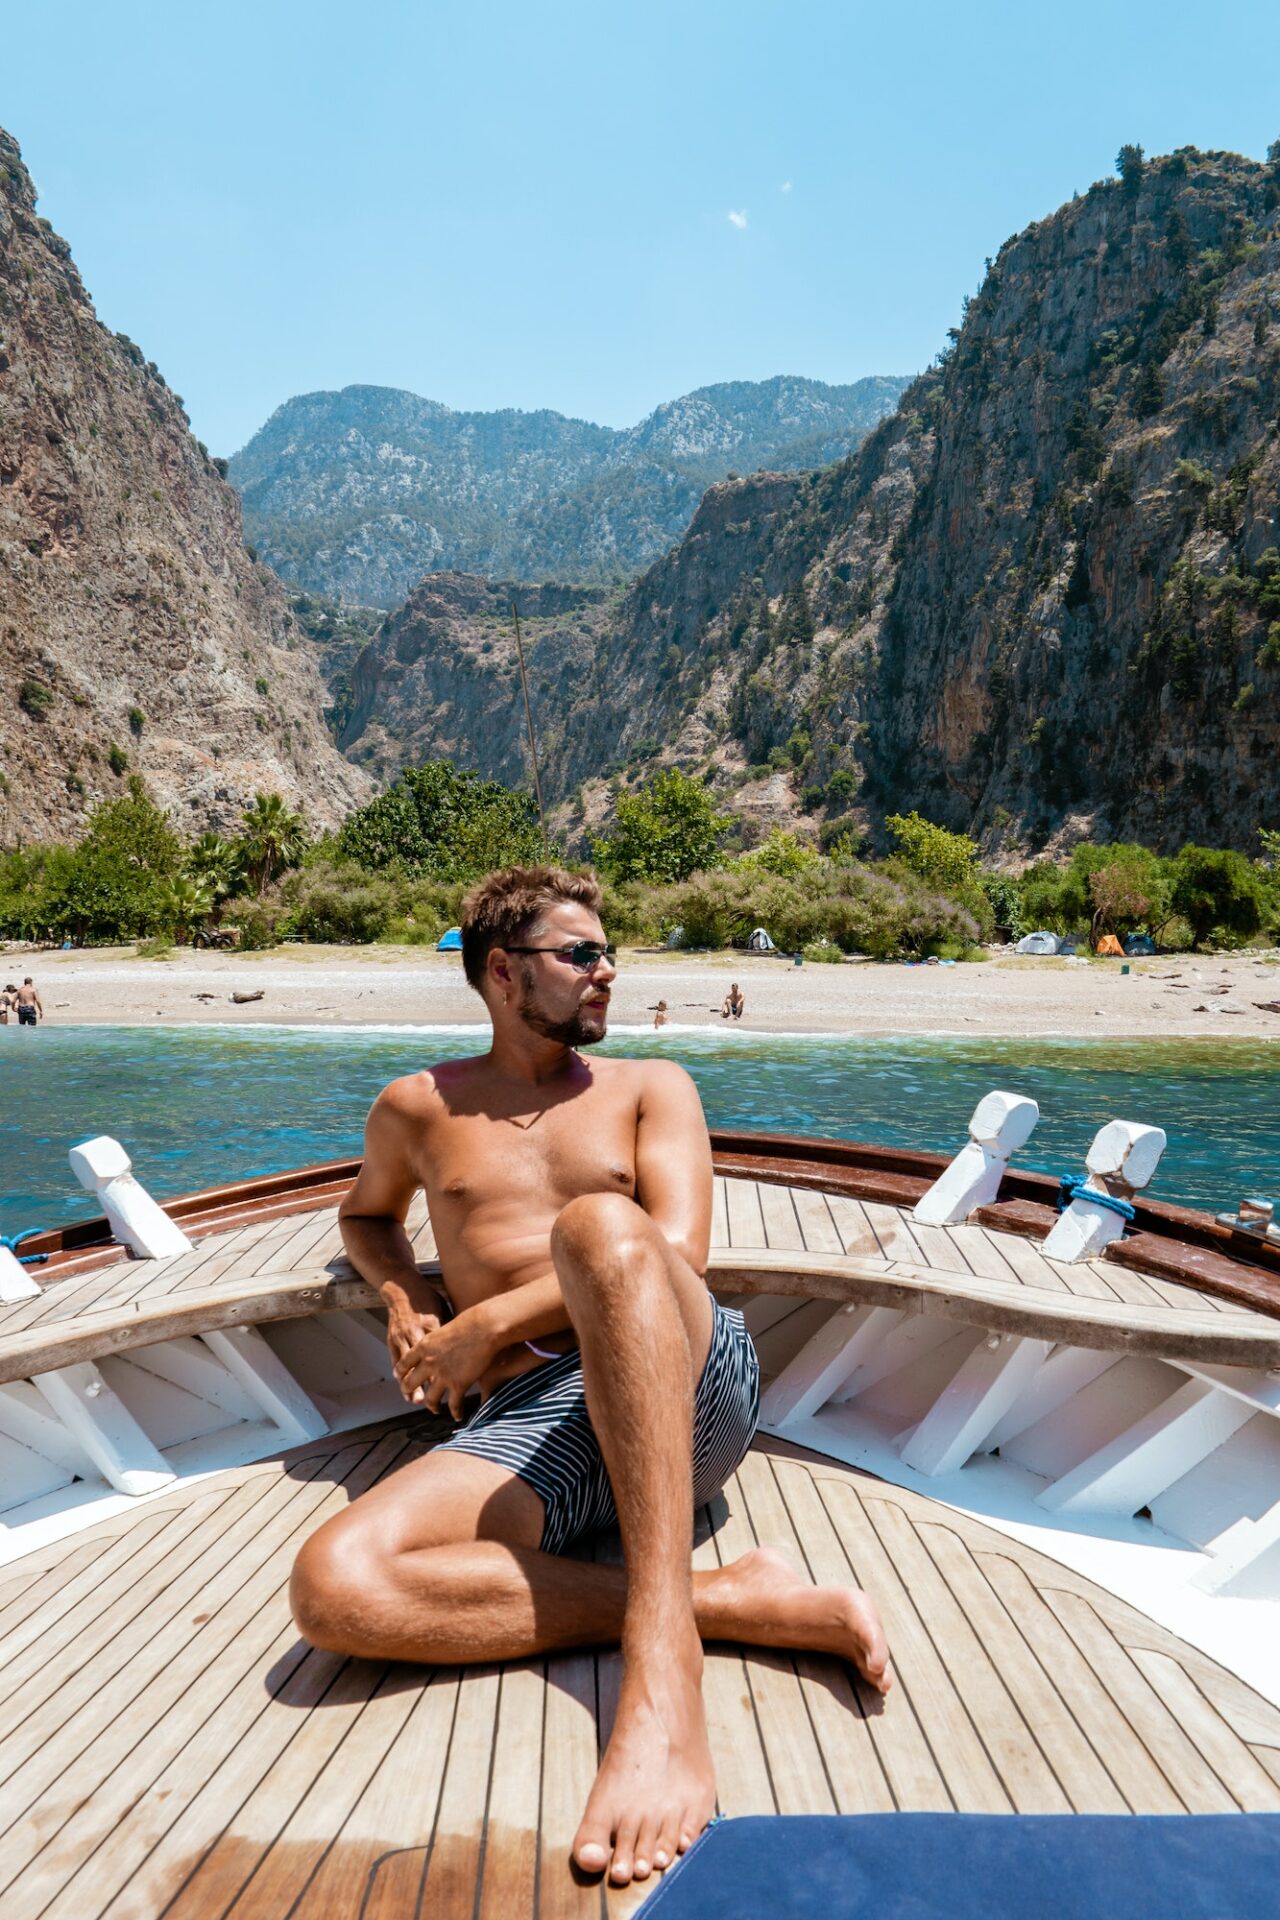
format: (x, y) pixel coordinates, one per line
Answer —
(734, 1003)
(28, 1003)
(571, 1201)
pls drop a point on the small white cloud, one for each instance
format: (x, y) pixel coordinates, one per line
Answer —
(738, 220)
(785, 187)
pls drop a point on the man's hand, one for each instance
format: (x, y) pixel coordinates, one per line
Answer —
(447, 1360)
(406, 1328)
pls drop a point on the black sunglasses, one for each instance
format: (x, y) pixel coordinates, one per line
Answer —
(582, 956)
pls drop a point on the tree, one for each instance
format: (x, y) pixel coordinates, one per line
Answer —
(1130, 165)
(1120, 898)
(182, 907)
(1216, 891)
(1148, 392)
(665, 832)
(213, 864)
(440, 823)
(944, 859)
(272, 838)
(111, 886)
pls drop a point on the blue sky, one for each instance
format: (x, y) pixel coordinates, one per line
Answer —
(501, 204)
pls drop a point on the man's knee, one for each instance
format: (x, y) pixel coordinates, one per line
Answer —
(603, 1234)
(334, 1582)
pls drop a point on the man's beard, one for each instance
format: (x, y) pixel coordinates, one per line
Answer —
(573, 1032)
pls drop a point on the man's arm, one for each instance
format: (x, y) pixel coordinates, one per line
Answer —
(372, 1220)
(673, 1161)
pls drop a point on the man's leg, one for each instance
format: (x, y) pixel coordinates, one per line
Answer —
(421, 1568)
(643, 1320)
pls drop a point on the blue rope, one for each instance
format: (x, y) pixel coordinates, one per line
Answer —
(1071, 1187)
(11, 1240)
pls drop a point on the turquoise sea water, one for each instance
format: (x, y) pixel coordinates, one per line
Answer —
(197, 1106)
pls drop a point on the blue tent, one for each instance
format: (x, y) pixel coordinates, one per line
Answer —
(450, 942)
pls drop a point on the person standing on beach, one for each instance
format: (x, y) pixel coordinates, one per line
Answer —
(28, 1003)
(571, 1200)
(8, 999)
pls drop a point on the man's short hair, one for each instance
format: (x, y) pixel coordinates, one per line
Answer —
(505, 907)
(27, 981)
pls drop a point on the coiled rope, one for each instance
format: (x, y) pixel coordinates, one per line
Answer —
(1074, 1186)
(13, 1240)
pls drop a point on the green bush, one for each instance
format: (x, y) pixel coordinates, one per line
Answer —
(854, 907)
(1219, 894)
(117, 758)
(35, 698)
(664, 832)
(440, 823)
(261, 923)
(338, 904)
(781, 853)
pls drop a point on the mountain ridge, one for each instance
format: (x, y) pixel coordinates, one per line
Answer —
(359, 492)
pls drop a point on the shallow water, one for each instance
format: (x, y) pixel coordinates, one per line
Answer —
(198, 1106)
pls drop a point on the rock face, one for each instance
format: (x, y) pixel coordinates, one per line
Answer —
(135, 630)
(441, 680)
(357, 494)
(1040, 602)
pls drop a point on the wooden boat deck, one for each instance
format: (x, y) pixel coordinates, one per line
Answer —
(767, 1238)
(170, 1747)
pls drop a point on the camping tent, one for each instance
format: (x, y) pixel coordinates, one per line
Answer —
(450, 942)
(1043, 942)
(1109, 945)
(1139, 943)
(759, 942)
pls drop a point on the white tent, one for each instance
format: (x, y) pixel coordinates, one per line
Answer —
(759, 942)
(1039, 943)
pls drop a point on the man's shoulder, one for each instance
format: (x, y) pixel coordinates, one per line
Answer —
(426, 1091)
(650, 1075)
(412, 1095)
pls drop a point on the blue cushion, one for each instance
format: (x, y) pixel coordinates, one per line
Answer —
(960, 1866)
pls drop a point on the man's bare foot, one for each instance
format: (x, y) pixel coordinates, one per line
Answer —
(656, 1788)
(763, 1600)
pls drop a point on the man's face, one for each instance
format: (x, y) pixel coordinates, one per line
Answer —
(555, 999)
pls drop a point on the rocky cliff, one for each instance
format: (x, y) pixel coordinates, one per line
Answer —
(135, 630)
(1042, 601)
(357, 494)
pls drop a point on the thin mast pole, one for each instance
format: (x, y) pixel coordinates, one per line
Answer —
(528, 715)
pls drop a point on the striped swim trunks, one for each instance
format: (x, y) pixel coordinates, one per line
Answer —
(538, 1426)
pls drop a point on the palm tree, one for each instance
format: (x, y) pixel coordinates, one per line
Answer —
(214, 864)
(271, 838)
(184, 905)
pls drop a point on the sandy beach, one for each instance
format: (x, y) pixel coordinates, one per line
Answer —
(1182, 996)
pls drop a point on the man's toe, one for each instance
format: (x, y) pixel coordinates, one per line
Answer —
(591, 1846)
(624, 1853)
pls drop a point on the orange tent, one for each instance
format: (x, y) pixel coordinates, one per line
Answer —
(1109, 944)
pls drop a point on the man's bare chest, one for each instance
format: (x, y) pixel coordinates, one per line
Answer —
(540, 1159)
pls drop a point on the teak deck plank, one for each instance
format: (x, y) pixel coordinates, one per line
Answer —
(783, 1230)
(203, 1762)
(746, 1221)
(857, 1234)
